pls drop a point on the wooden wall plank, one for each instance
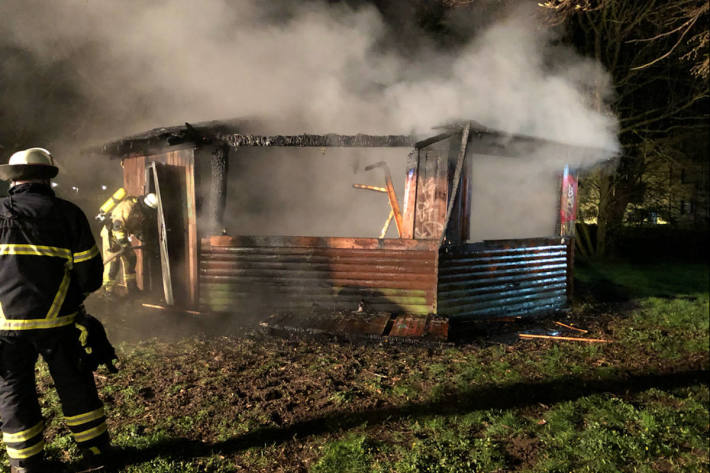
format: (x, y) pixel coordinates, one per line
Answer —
(134, 183)
(192, 241)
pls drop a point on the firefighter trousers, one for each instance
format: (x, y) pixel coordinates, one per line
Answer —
(22, 423)
(126, 262)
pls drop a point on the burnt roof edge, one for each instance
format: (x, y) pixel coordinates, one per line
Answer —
(307, 140)
(498, 142)
(227, 132)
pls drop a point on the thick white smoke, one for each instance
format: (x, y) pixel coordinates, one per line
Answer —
(312, 67)
(300, 67)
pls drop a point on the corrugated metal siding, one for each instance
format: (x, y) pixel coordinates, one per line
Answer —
(284, 277)
(488, 281)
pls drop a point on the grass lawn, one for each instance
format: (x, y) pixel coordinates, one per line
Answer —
(262, 403)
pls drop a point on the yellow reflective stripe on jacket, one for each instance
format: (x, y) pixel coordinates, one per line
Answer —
(23, 435)
(32, 324)
(60, 296)
(79, 419)
(89, 434)
(21, 453)
(36, 250)
(85, 255)
(51, 319)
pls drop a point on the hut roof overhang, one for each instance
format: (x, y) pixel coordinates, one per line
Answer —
(231, 133)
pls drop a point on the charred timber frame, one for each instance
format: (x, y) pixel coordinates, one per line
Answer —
(219, 168)
(417, 273)
(318, 141)
(156, 143)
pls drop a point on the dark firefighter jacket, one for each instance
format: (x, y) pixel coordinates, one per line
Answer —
(49, 261)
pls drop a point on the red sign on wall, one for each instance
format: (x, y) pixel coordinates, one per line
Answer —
(568, 204)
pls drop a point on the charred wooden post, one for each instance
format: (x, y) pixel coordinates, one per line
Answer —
(455, 197)
(219, 167)
(390, 194)
(410, 193)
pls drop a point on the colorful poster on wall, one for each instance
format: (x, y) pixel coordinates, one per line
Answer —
(568, 204)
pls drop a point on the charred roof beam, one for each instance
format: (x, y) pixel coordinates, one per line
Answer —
(237, 140)
(484, 140)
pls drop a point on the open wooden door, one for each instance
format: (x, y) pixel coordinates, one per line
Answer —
(169, 184)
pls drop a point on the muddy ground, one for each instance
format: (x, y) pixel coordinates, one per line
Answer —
(244, 386)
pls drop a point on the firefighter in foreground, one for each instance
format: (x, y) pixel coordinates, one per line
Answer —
(49, 263)
(124, 219)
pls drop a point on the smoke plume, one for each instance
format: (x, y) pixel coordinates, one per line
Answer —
(80, 72)
(137, 64)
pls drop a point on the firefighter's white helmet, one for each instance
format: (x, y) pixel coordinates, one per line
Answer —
(151, 200)
(32, 163)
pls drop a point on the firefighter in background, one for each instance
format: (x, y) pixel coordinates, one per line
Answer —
(124, 218)
(48, 264)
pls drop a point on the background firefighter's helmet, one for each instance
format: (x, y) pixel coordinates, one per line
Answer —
(151, 201)
(32, 163)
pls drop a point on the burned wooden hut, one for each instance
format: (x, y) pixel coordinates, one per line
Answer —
(433, 262)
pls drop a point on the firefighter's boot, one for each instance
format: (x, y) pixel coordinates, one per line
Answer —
(19, 469)
(131, 286)
(39, 467)
(35, 469)
(92, 464)
(98, 459)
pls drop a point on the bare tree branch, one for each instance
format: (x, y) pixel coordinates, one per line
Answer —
(670, 51)
(664, 116)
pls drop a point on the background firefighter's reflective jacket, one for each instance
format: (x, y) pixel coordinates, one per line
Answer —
(125, 219)
(48, 259)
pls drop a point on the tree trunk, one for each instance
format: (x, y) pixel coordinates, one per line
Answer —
(614, 196)
(605, 191)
